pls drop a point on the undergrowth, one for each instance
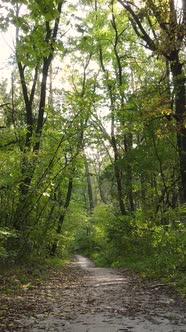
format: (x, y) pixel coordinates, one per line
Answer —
(24, 276)
(140, 242)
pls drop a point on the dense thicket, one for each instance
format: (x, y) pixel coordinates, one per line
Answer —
(92, 135)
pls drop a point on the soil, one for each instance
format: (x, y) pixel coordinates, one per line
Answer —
(84, 298)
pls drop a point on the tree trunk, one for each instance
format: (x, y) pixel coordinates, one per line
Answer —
(89, 186)
(179, 92)
(62, 217)
(118, 177)
(129, 187)
(102, 195)
(27, 166)
(128, 139)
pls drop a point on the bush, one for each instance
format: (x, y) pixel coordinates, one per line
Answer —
(6, 235)
(138, 241)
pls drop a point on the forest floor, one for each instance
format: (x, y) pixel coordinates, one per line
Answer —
(82, 298)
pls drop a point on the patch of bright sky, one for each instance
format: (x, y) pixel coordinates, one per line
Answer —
(7, 40)
(7, 46)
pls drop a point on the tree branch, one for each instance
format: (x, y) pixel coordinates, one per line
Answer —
(139, 29)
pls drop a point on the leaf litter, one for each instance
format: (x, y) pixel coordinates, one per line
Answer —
(81, 297)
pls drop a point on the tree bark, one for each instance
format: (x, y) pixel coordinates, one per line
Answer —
(128, 139)
(179, 92)
(118, 177)
(62, 216)
(89, 186)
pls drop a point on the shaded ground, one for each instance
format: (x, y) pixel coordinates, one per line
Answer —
(83, 298)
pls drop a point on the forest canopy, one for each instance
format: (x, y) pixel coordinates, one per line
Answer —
(93, 132)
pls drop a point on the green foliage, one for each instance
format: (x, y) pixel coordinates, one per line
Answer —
(115, 104)
(6, 235)
(139, 242)
(22, 277)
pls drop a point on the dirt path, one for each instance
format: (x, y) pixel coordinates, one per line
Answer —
(103, 300)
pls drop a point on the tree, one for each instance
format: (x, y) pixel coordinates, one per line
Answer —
(161, 27)
(37, 26)
(45, 25)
